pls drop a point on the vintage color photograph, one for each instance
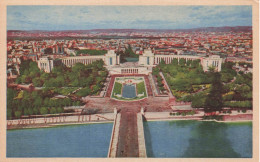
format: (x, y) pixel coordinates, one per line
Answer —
(129, 81)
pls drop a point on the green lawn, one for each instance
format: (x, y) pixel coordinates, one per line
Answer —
(117, 88)
(141, 88)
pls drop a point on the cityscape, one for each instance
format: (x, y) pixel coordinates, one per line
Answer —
(153, 86)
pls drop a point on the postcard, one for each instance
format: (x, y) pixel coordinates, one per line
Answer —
(170, 81)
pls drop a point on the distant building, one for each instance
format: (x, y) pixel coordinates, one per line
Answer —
(110, 59)
(47, 64)
(146, 61)
(212, 61)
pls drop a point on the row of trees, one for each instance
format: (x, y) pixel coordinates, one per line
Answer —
(156, 73)
(30, 103)
(90, 76)
(92, 82)
(91, 52)
(29, 73)
(128, 53)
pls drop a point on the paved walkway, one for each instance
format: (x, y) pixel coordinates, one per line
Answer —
(148, 86)
(110, 86)
(151, 104)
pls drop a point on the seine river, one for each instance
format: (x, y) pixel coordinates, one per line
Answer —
(198, 139)
(90, 140)
(163, 139)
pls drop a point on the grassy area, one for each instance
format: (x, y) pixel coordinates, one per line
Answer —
(91, 52)
(117, 88)
(141, 88)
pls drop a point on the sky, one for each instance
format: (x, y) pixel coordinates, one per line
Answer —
(125, 17)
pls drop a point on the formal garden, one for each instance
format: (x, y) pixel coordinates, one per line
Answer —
(129, 88)
(82, 79)
(209, 90)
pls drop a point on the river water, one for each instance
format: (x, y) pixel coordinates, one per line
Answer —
(198, 139)
(163, 139)
(90, 140)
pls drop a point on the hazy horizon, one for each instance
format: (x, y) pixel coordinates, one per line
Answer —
(60, 18)
(126, 29)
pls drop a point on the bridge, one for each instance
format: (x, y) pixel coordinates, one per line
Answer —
(127, 139)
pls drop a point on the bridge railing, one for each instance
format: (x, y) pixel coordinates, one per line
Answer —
(112, 137)
(141, 138)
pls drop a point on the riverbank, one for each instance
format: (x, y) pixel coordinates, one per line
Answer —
(46, 122)
(34, 126)
(109, 118)
(164, 116)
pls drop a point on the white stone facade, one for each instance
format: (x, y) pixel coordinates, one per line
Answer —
(129, 70)
(110, 59)
(212, 61)
(147, 59)
(71, 61)
(168, 58)
(144, 66)
(45, 64)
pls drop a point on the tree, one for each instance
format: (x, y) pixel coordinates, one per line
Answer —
(25, 111)
(43, 110)
(11, 94)
(35, 111)
(44, 76)
(9, 113)
(98, 80)
(53, 110)
(182, 62)
(129, 52)
(30, 111)
(96, 88)
(162, 63)
(212, 69)
(37, 82)
(46, 101)
(100, 64)
(195, 63)
(83, 92)
(214, 101)
(17, 114)
(78, 67)
(38, 102)
(33, 67)
(60, 81)
(156, 71)
(189, 62)
(175, 61)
